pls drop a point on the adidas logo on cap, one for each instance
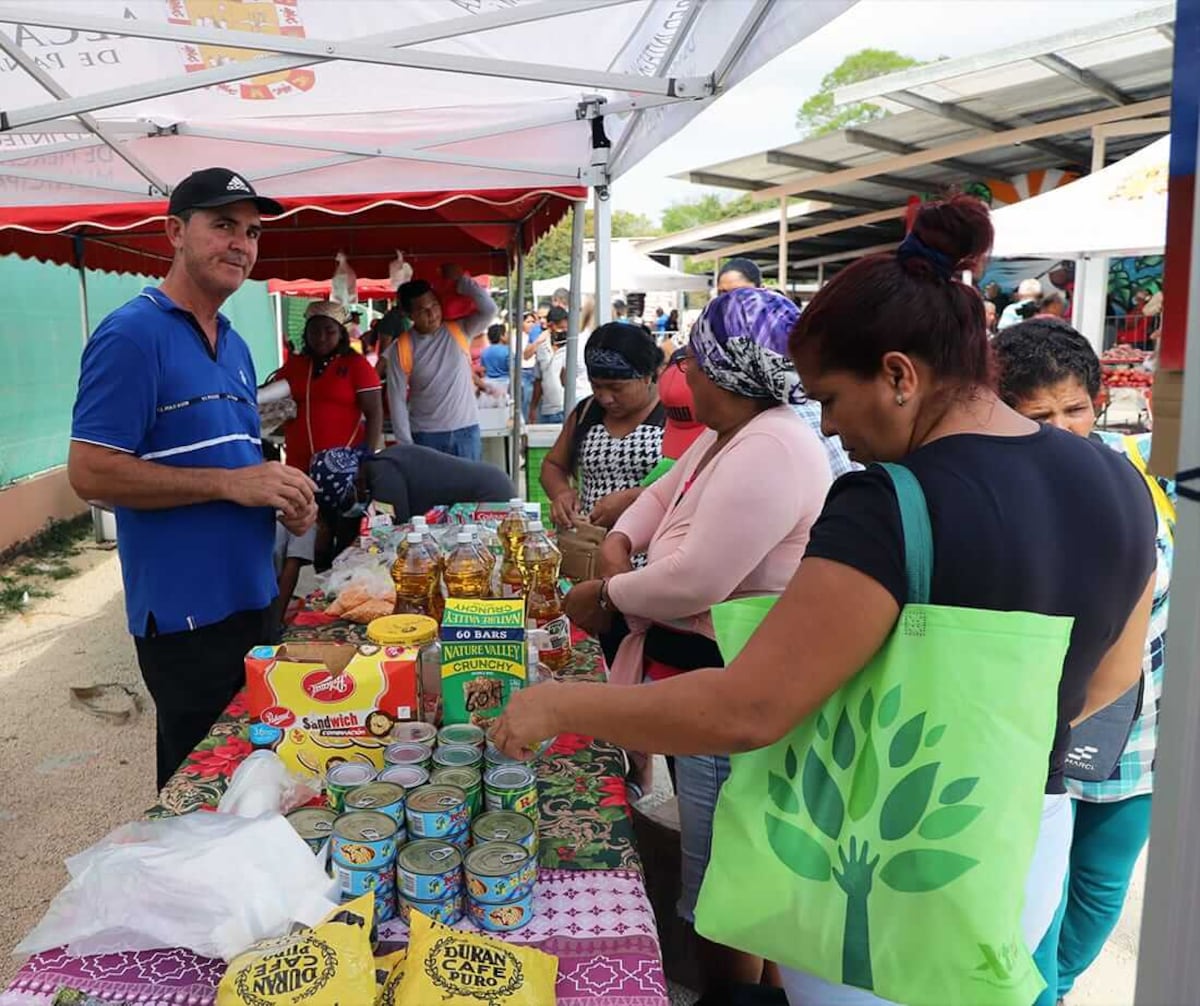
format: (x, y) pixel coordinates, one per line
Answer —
(236, 184)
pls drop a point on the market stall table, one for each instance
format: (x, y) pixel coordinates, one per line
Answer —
(591, 907)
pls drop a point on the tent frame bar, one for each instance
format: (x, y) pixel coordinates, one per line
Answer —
(361, 151)
(931, 155)
(129, 188)
(847, 223)
(48, 83)
(357, 52)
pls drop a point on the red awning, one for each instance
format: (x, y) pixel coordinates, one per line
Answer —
(473, 229)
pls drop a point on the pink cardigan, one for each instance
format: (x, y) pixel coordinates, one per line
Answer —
(741, 529)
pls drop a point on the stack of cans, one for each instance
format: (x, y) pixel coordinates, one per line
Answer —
(342, 778)
(500, 878)
(468, 780)
(440, 811)
(313, 824)
(409, 753)
(505, 826)
(462, 733)
(415, 732)
(429, 878)
(362, 852)
(386, 798)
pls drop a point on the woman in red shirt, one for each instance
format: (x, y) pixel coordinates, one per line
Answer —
(337, 392)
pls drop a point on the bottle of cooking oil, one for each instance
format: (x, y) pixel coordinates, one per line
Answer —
(512, 533)
(421, 525)
(543, 599)
(465, 572)
(415, 574)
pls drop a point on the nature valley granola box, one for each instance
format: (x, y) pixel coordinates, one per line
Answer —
(334, 702)
(483, 658)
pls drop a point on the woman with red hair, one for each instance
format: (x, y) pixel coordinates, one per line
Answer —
(1024, 518)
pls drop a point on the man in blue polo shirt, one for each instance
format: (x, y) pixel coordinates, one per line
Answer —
(166, 431)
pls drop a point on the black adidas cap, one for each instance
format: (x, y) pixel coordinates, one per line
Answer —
(212, 187)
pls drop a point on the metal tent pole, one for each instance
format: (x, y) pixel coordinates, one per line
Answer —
(603, 239)
(1168, 965)
(575, 301)
(516, 308)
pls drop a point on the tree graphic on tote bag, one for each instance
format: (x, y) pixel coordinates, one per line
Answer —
(904, 809)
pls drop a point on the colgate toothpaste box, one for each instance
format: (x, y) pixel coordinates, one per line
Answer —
(334, 701)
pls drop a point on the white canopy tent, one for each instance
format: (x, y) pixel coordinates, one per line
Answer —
(1120, 210)
(631, 270)
(109, 102)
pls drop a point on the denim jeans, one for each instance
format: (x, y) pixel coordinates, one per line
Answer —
(461, 443)
(528, 376)
(698, 781)
(551, 417)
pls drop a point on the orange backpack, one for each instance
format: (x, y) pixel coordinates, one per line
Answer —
(404, 346)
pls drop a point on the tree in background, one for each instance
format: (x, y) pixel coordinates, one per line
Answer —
(819, 115)
(551, 256)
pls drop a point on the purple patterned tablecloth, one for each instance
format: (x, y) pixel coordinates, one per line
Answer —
(598, 923)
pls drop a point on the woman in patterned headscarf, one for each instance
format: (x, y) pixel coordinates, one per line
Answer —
(716, 527)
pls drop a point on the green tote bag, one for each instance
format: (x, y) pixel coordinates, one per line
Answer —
(884, 843)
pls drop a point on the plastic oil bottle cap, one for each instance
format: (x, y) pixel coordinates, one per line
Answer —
(419, 521)
(414, 537)
(463, 537)
(536, 526)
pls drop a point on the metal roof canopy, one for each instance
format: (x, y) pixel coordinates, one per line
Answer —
(1030, 107)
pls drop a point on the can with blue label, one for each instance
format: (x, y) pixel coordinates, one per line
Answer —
(447, 911)
(342, 778)
(313, 824)
(505, 826)
(512, 787)
(408, 776)
(385, 797)
(428, 870)
(364, 839)
(407, 753)
(467, 779)
(498, 873)
(435, 811)
(462, 733)
(501, 918)
(353, 883)
(461, 839)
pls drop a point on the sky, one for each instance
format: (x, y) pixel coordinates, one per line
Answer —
(760, 112)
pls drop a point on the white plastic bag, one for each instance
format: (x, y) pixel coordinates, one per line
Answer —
(399, 271)
(343, 288)
(211, 883)
(261, 784)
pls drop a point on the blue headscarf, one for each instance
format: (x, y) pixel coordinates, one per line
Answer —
(335, 473)
(740, 342)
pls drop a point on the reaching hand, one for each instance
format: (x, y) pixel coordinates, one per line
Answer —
(565, 508)
(615, 556)
(582, 605)
(529, 718)
(608, 510)
(274, 485)
(300, 524)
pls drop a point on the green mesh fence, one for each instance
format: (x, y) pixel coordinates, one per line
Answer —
(41, 339)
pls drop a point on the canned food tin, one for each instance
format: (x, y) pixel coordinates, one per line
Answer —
(408, 754)
(434, 811)
(457, 756)
(493, 756)
(446, 912)
(385, 910)
(461, 839)
(462, 733)
(313, 824)
(415, 732)
(505, 826)
(340, 779)
(428, 870)
(385, 797)
(467, 779)
(511, 787)
(408, 776)
(501, 918)
(499, 872)
(353, 882)
(365, 839)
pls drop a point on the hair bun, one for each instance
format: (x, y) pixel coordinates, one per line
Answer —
(960, 227)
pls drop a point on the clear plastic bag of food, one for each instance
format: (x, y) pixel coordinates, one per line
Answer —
(344, 286)
(399, 271)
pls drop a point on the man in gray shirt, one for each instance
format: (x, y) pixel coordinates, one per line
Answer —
(430, 383)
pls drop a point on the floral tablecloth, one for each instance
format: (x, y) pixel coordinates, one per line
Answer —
(591, 899)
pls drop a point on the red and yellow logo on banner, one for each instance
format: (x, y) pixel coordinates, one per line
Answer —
(266, 17)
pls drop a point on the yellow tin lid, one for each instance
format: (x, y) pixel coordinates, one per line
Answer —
(403, 630)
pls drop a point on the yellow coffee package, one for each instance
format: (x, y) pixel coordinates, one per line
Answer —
(389, 970)
(456, 968)
(328, 965)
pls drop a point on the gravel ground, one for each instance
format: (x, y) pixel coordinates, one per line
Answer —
(67, 777)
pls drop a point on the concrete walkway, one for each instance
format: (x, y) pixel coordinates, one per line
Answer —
(67, 777)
